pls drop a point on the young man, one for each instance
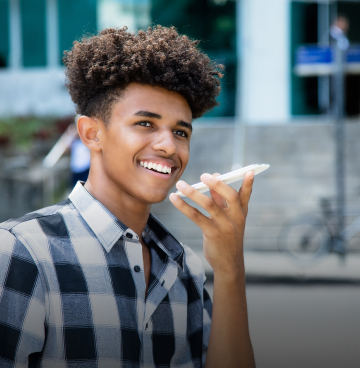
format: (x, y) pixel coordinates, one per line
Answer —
(96, 280)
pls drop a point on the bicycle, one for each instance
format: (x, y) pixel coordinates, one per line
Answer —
(309, 238)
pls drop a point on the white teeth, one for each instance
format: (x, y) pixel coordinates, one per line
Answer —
(158, 167)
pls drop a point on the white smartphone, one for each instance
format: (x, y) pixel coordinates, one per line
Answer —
(230, 177)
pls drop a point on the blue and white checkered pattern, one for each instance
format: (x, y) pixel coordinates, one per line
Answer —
(72, 292)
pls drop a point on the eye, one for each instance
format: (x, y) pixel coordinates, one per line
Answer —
(144, 123)
(181, 133)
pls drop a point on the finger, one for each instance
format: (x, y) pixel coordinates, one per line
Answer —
(230, 195)
(246, 189)
(207, 203)
(219, 200)
(192, 213)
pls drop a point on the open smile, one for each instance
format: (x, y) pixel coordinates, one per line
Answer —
(163, 169)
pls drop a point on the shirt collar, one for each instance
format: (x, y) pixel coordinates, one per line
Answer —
(108, 229)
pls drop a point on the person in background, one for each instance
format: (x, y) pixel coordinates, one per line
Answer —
(338, 31)
(79, 161)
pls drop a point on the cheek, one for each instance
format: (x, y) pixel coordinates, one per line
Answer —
(184, 154)
(124, 144)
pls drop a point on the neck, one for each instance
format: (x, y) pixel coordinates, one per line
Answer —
(125, 208)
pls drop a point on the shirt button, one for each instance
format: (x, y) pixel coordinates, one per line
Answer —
(137, 268)
(129, 235)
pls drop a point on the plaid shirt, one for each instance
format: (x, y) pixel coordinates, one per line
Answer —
(72, 292)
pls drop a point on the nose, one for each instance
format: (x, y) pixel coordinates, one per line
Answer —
(165, 142)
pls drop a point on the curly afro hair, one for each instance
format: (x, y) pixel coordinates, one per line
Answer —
(99, 68)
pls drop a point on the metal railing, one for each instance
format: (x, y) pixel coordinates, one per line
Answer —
(49, 162)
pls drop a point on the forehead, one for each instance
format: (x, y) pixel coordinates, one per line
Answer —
(138, 97)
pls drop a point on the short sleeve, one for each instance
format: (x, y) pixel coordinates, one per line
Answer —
(22, 303)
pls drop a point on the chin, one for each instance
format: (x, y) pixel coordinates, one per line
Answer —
(157, 197)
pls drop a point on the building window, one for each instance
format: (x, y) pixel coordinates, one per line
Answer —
(310, 22)
(76, 18)
(4, 33)
(33, 32)
(304, 90)
(214, 23)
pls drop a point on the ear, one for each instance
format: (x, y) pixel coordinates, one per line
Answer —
(89, 130)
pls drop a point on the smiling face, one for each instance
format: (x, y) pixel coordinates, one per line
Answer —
(144, 147)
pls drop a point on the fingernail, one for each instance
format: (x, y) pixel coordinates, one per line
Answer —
(180, 184)
(173, 197)
(251, 175)
(205, 177)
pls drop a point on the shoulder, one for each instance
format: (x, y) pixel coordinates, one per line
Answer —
(18, 268)
(31, 227)
(29, 218)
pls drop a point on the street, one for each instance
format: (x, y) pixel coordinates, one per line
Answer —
(304, 325)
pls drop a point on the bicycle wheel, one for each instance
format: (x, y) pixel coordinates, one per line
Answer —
(306, 239)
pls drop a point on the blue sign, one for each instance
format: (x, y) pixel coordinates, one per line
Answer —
(320, 60)
(314, 55)
(353, 54)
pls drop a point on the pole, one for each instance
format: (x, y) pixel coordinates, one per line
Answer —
(239, 127)
(339, 95)
(52, 34)
(323, 40)
(15, 35)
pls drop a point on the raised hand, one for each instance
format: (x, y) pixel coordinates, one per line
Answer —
(223, 231)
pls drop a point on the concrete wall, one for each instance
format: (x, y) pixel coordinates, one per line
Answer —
(34, 91)
(302, 171)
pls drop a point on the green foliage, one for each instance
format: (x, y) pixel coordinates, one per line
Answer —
(21, 132)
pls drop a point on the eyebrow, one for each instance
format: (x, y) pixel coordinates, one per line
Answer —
(184, 124)
(149, 114)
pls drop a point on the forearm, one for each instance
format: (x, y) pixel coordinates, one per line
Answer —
(223, 234)
(230, 344)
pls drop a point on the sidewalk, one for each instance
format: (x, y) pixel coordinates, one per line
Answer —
(275, 267)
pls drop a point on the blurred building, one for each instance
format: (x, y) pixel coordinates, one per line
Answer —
(271, 33)
(255, 39)
(33, 36)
